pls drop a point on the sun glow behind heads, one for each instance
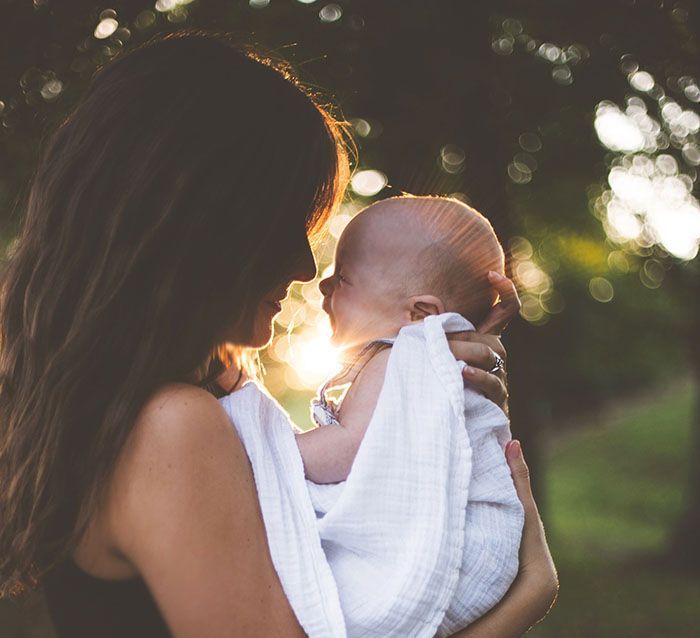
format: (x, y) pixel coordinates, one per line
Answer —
(310, 357)
(302, 340)
(301, 347)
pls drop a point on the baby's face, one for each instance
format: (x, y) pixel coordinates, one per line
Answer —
(364, 297)
(396, 257)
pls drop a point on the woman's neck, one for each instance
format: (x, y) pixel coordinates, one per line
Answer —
(229, 379)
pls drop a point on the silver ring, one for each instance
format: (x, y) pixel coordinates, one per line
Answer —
(499, 365)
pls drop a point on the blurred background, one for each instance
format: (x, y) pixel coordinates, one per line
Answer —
(574, 127)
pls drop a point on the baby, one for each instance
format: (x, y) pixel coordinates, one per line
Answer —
(415, 506)
(398, 261)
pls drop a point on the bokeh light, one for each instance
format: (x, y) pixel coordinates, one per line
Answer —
(601, 289)
(301, 346)
(170, 5)
(539, 299)
(641, 80)
(105, 28)
(331, 13)
(561, 57)
(309, 355)
(452, 159)
(650, 200)
(368, 182)
(362, 127)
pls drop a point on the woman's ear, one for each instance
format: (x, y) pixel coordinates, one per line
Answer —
(423, 305)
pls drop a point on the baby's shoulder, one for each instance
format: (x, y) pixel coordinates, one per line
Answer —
(375, 369)
(368, 382)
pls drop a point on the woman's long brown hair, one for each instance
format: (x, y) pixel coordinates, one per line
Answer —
(176, 194)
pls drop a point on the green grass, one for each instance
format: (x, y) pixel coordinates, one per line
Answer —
(613, 492)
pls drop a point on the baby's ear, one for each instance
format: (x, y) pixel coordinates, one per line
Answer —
(423, 305)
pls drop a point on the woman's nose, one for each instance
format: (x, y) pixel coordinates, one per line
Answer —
(305, 267)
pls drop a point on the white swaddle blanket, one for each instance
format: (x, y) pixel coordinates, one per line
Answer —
(423, 536)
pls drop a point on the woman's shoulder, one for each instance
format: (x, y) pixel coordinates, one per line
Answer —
(175, 425)
(180, 430)
(179, 410)
(184, 513)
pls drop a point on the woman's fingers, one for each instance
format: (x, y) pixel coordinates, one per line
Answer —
(479, 352)
(480, 348)
(507, 307)
(476, 349)
(521, 476)
(491, 386)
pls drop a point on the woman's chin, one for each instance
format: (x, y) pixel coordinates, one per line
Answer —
(262, 337)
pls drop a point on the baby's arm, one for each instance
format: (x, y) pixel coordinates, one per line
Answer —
(329, 451)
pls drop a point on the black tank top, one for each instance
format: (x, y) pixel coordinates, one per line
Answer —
(84, 606)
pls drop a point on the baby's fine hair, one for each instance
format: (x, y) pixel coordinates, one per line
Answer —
(460, 249)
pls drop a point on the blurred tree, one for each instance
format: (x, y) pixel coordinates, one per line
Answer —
(493, 102)
(650, 210)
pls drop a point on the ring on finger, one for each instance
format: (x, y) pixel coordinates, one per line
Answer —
(498, 365)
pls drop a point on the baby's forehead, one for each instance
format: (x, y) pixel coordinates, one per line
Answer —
(422, 220)
(386, 225)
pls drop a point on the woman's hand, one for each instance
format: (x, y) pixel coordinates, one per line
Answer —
(535, 588)
(481, 350)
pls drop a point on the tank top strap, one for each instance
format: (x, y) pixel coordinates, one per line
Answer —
(324, 411)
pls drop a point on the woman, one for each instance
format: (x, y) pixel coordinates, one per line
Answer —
(168, 216)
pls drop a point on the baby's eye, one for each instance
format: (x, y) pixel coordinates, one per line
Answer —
(341, 278)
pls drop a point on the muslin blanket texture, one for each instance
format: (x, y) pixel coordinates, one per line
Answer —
(422, 537)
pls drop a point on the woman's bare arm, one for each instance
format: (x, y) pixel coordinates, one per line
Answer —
(183, 509)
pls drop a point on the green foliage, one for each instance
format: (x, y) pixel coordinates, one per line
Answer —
(592, 350)
(613, 490)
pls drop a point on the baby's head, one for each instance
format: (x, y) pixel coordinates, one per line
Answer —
(404, 258)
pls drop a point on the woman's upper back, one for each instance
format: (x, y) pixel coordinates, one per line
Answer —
(182, 511)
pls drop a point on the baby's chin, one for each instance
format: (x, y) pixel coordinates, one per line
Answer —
(338, 342)
(347, 343)
(341, 340)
